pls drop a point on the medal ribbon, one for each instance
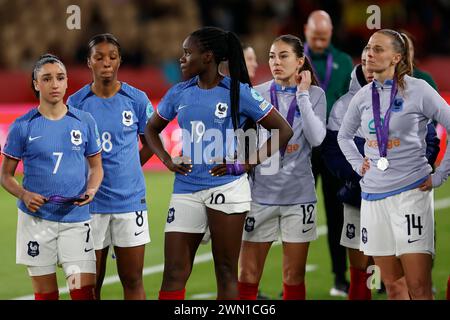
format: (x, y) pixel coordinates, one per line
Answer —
(382, 129)
(291, 111)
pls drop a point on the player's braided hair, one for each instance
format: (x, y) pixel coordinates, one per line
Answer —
(44, 59)
(297, 45)
(401, 43)
(225, 45)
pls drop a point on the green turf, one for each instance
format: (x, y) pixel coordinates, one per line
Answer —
(15, 281)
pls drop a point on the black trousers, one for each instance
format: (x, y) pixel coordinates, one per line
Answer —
(334, 212)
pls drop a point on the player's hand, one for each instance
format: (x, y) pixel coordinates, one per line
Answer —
(365, 166)
(88, 196)
(224, 168)
(182, 165)
(303, 80)
(427, 185)
(33, 201)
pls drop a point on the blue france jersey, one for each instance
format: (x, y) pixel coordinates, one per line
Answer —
(204, 115)
(120, 118)
(53, 154)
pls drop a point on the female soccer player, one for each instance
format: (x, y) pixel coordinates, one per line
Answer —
(119, 209)
(397, 218)
(285, 203)
(210, 108)
(53, 141)
(350, 193)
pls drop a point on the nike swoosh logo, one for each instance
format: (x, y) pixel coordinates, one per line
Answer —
(33, 138)
(87, 250)
(305, 231)
(182, 107)
(411, 241)
(138, 233)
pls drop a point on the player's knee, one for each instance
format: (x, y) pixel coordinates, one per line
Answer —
(396, 289)
(419, 289)
(176, 272)
(293, 277)
(249, 275)
(225, 271)
(132, 281)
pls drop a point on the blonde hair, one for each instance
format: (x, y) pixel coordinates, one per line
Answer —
(400, 43)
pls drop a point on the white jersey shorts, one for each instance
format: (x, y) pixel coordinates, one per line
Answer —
(187, 211)
(43, 244)
(399, 224)
(122, 230)
(295, 223)
(351, 233)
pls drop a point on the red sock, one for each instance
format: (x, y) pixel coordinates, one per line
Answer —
(84, 293)
(172, 295)
(295, 292)
(247, 291)
(358, 285)
(448, 289)
(47, 296)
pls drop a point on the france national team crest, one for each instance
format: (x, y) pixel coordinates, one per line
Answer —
(75, 137)
(33, 248)
(364, 235)
(170, 215)
(249, 224)
(221, 110)
(127, 118)
(350, 230)
(397, 105)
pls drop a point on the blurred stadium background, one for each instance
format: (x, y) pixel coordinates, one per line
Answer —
(151, 33)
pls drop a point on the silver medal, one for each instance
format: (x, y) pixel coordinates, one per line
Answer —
(382, 163)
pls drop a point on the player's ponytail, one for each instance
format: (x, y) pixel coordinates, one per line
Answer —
(400, 43)
(225, 46)
(44, 59)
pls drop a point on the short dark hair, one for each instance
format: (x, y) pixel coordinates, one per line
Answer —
(100, 38)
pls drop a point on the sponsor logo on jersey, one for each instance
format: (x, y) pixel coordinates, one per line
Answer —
(392, 143)
(221, 110)
(249, 224)
(33, 248)
(171, 215)
(127, 118)
(75, 137)
(350, 230)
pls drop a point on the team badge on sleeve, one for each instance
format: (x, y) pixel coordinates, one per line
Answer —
(221, 110)
(256, 95)
(75, 137)
(149, 110)
(263, 106)
(127, 118)
(33, 248)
